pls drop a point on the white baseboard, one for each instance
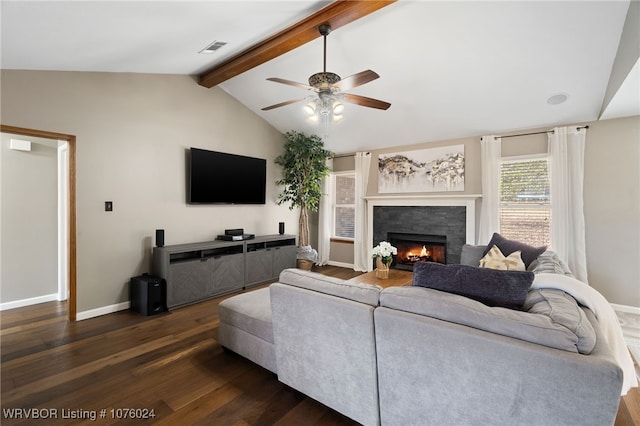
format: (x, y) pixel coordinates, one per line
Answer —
(102, 311)
(340, 264)
(626, 308)
(28, 302)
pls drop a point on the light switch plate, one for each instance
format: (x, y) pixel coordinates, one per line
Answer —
(108, 206)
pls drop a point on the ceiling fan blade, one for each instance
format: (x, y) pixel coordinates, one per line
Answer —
(356, 80)
(290, 83)
(281, 104)
(366, 102)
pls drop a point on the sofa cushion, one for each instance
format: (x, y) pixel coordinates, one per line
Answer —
(536, 327)
(506, 246)
(359, 292)
(471, 254)
(492, 287)
(494, 259)
(250, 312)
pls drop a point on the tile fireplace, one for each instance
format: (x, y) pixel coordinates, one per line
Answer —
(447, 220)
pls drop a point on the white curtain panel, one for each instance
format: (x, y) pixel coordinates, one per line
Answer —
(324, 218)
(491, 147)
(361, 260)
(566, 162)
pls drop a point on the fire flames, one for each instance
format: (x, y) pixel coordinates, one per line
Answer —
(412, 253)
(424, 253)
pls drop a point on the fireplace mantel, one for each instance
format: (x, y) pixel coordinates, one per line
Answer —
(466, 200)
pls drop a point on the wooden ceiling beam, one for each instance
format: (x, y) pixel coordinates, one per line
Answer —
(337, 14)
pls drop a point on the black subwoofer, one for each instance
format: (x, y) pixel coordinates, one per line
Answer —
(148, 294)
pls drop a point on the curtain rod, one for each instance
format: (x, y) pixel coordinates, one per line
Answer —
(502, 137)
(536, 133)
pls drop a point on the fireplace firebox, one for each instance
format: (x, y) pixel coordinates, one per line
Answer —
(413, 248)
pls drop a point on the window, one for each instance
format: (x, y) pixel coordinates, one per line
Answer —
(525, 209)
(344, 208)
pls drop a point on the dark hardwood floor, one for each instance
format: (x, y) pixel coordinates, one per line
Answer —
(168, 365)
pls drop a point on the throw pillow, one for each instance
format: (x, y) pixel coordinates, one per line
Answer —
(496, 260)
(506, 246)
(507, 289)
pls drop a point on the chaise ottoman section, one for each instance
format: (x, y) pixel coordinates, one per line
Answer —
(246, 327)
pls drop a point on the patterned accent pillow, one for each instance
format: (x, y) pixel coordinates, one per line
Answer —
(494, 259)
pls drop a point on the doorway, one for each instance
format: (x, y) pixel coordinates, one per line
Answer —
(69, 175)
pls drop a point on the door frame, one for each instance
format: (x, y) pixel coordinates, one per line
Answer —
(71, 248)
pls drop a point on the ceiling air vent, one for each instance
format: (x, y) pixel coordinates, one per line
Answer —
(213, 47)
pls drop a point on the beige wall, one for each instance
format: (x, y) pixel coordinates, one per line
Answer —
(29, 226)
(612, 208)
(611, 198)
(132, 132)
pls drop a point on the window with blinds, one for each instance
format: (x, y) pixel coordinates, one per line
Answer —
(525, 209)
(344, 209)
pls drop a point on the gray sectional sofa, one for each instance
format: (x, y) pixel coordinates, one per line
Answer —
(420, 356)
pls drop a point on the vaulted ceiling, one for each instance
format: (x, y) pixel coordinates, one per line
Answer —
(449, 69)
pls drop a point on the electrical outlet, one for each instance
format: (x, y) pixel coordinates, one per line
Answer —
(108, 206)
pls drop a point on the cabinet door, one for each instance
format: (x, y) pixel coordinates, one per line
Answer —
(228, 274)
(259, 266)
(283, 257)
(189, 281)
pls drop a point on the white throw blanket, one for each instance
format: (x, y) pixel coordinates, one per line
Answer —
(607, 319)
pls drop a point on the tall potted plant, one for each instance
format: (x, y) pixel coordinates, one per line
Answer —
(303, 167)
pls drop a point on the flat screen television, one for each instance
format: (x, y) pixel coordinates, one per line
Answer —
(221, 178)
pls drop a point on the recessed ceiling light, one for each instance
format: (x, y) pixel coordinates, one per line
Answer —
(213, 47)
(557, 99)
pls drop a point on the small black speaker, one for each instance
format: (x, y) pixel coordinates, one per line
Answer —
(281, 228)
(160, 237)
(148, 294)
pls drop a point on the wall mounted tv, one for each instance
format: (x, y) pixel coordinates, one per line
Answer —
(220, 178)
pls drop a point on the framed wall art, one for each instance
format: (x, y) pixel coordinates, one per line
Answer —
(426, 170)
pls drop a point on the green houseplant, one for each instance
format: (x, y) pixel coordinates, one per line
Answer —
(303, 167)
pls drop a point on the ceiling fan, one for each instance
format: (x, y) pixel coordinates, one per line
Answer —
(330, 88)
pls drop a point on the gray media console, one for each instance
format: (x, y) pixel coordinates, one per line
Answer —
(199, 271)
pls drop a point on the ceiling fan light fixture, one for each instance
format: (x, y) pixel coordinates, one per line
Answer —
(310, 109)
(324, 103)
(327, 89)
